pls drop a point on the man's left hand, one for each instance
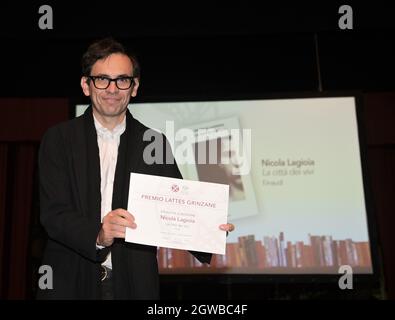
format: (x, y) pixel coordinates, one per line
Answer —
(229, 227)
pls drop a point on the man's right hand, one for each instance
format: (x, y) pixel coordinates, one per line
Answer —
(114, 226)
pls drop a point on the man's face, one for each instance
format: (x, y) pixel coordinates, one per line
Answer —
(110, 102)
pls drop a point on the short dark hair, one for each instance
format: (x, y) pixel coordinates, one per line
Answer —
(102, 49)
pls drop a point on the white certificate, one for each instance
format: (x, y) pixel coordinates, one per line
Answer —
(178, 214)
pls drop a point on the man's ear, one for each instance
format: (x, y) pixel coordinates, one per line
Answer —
(85, 86)
(135, 87)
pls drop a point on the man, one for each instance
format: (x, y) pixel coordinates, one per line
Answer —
(84, 180)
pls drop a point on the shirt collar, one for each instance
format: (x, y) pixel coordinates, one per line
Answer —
(103, 132)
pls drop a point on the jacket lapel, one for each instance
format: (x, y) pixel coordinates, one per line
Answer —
(93, 165)
(87, 166)
(128, 155)
(79, 161)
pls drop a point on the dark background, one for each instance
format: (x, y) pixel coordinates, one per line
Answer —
(195, 50)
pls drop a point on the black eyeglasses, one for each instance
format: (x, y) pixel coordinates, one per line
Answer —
(102, 82)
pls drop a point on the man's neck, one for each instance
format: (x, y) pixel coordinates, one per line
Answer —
(109, 122)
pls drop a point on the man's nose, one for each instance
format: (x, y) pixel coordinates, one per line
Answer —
(112, 87)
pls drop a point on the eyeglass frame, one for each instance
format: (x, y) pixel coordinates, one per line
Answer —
(93, 78)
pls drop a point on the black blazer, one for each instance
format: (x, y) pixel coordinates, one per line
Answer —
(70, 200)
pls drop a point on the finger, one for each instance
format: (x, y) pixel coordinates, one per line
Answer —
(227, 227)
(119, 234)
(117, 220)
(116, 228)
(124, 214)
